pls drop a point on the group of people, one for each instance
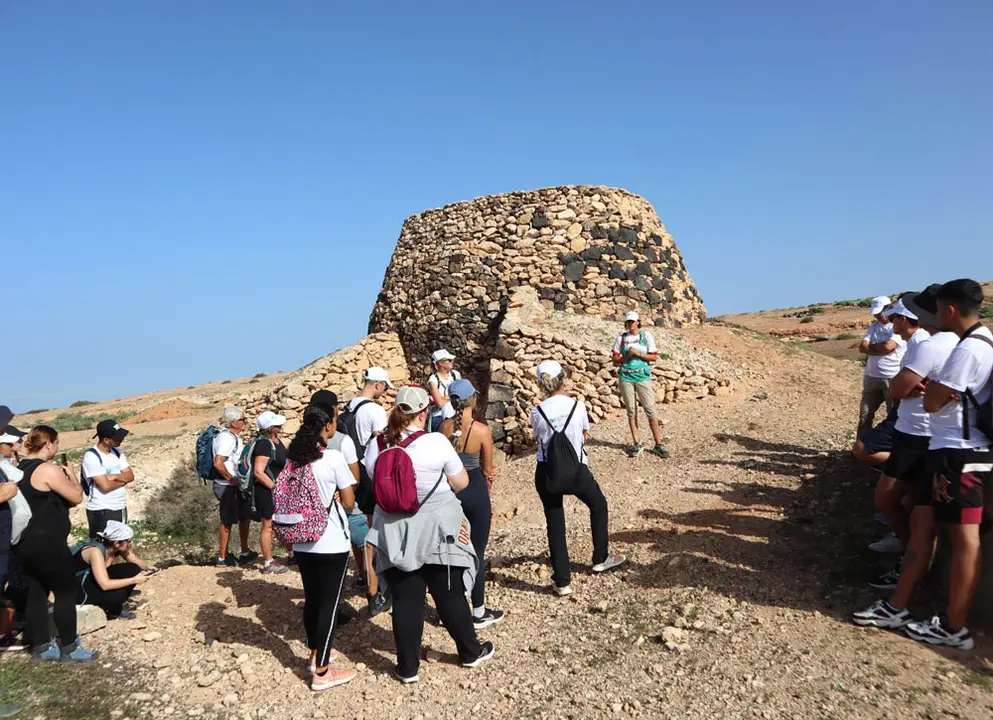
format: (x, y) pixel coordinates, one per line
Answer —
(929, 359)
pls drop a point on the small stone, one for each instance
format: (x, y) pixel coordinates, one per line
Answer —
(141, 697)
(152, 636)
(210, 678)
(673, 635)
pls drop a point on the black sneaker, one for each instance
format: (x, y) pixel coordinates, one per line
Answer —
(888, 580)
(490, 617)
(228, 561)
(379, 603)
(485, 654)
(247, 558)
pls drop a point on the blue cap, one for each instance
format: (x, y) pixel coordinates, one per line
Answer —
(461, 389)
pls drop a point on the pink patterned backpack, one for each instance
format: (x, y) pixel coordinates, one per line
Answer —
(299, 514)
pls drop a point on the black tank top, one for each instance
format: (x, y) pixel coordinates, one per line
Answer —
(49, 510)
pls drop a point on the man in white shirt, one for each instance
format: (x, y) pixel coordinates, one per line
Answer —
(105, 475)
(883, 350)
(234, 507)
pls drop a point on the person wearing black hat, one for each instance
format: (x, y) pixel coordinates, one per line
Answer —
(105, 475)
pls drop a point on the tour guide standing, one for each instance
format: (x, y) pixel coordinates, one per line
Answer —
(884, 351)
(634, 350)
(107, 474)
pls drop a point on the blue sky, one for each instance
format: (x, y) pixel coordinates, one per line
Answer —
(194, 191)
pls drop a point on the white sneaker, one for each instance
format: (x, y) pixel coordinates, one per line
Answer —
(880, 615)
(612, 561)
(889, 544)
(934, 632)
(563, 591)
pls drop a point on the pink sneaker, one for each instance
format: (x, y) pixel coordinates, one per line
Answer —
(332, 678)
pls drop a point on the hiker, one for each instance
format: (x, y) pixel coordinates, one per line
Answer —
(10, 443)
(358, 525)
(439, 383)
(234, 508)
(104, 475)
(47, 563)
(474, 444)
(429, 549)
(323, 563)
(960, 457)
(363, 419)
(634, 351)
(561, 414)
(10, 475)
(268, 457)
(909, 468)
(102, 580)
(910, 437)
(883, 351)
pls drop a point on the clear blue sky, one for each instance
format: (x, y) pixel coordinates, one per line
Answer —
(192, 190)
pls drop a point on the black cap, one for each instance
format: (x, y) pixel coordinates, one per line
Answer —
(5, 415)
(110, 429)
(924, 304)
(326, 401)
(11, 430)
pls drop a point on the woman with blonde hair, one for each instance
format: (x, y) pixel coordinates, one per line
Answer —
(560, 413)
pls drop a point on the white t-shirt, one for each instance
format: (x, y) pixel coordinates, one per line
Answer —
(10, 471)
(436, 380)
(432, 454)
(633, 340)
(968, 367)
(369, 420)
(228, 445)
(884, 366)
(100, 464)
(557, 408)
(345, 445)
(926, 359)
(332, 474)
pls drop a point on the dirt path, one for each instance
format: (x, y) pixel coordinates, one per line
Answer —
(746, 554)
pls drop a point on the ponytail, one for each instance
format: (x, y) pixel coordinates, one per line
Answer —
(305, 447)
(40, 436)
(395, 425)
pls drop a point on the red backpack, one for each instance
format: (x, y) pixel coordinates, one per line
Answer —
(394, 478)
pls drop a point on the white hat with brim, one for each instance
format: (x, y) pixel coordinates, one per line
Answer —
(439, 355)
(550, 368)
(269, 419)
(632, 316)
(378, 374)
(900, 309)
(878, 304)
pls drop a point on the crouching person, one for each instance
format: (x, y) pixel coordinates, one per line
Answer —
(109, 570)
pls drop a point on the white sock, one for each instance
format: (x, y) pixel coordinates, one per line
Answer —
(220, 559)
(479, 612)
(268, 562)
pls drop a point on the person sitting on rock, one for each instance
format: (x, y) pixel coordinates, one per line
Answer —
(474, 444)
(634, 351)
(438, 384)
(109, 570)
(563, 414)
(105, 474)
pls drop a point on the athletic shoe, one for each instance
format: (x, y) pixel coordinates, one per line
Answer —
(45, 652)
(889, 544)
(880, 614)
(888, 580)
(490, 617)
(405, 680)
(379, 603)
(247, 558)
(11, 710)
(228, 561)
(935, 632)
(332, 677)
(485, 654)
(635, 449)
(563, 591)
(332, 657)
(612, 561)
(274, 568)
(660, 451)
(124, 614)
(881, 519)
(360, 583)
(76, 653)
(11, 643)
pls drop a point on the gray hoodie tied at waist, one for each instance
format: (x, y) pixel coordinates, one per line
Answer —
(437, 534)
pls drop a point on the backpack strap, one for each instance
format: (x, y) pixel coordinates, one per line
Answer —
(409, 439)
(365, 401)
(83, 476)
(428, 496)
(968, 395)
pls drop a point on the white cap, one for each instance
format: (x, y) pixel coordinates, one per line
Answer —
(9, 439)
(269, 419)
(442, 354)
(632, 316)
(878, 303)
(117, 531)
(550, 368)
(377, 374)
(232, 414)
(413, 399)
(900, 309)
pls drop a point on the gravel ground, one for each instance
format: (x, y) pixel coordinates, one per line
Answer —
(745, 556)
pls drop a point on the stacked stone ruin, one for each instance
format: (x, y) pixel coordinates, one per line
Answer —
(486, 279)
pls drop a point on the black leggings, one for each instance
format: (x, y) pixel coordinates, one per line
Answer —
(475, 501)
(323, 576)
(589, 494)
(48, 567)
(112, 601)
(408, 612)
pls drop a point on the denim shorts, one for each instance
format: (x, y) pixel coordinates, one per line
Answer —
(358, 529)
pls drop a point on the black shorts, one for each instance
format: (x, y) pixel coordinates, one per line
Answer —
(233, 506)
(263, 502)
(908, 461)
(958, 484)
(880, 438)
(98, 519)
